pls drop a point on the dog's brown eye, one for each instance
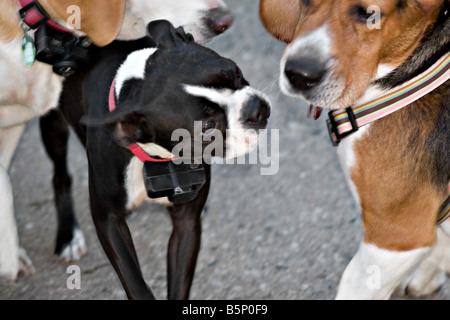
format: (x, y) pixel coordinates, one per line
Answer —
(306, 3)
(361, 14)
(238, 72)
(208, 125)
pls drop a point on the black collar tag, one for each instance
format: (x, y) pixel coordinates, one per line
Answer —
(180, 183)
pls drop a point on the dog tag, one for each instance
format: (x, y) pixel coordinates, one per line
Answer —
(180, 183)
(28, 50)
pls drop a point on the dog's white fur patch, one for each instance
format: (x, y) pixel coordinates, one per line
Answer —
(374, 273)
(239, 140)
(9, 242)
(346, 155)
(222, 97)
(445, 226)
(76, 248)
(133, 67)
(134, 179)
(383, 70)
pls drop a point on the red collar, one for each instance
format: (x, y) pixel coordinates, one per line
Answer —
(34, 15)
(134, 148)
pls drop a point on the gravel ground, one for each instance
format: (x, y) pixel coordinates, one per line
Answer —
(287, 237)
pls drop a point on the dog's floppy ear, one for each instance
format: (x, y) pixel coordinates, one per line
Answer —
(101, 20)
(280, 18)
(166, 36)
(126, 127)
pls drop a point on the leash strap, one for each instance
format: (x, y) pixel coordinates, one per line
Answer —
(342, 123)
(135, 148)
(34, 16)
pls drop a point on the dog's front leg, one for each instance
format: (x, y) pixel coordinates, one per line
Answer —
(70, 242)
(13, 259)
(108, 213)
(429, 276)
(184, 244)
(374, 273)
(15, 114)
(9, 241)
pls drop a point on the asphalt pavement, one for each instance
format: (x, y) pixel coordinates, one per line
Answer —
(286, 236)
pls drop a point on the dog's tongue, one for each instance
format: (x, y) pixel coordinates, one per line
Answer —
(317, 111)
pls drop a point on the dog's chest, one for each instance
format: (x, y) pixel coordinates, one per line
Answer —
(134, 179)
(35, 87)
(134, 184)
(347, 158)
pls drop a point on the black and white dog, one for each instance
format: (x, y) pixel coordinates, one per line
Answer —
(203, 18)
(157, 85)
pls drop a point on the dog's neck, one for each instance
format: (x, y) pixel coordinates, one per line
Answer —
(133, 27)
(10, 22)
(435, 43)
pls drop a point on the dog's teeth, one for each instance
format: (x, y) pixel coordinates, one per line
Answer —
(310, 109)
(317, 113)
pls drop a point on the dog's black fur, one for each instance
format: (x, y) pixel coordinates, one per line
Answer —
(148, 110)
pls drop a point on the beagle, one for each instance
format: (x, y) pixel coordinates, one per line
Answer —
(349, 53)
(31, 91)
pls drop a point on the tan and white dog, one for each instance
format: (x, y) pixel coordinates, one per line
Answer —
(27, 92)
(346, 53)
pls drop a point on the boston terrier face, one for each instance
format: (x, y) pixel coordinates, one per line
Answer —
(180, 84)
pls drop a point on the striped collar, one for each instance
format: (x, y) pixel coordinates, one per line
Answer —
(342, 123)
(444, 212)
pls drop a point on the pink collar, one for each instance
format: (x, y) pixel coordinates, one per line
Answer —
(134, 148)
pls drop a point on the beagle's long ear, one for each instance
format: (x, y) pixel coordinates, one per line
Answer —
(101, 20)
(280, 18)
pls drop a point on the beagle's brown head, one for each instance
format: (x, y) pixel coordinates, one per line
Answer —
(337, 48)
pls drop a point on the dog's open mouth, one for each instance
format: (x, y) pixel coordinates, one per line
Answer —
(315, 112)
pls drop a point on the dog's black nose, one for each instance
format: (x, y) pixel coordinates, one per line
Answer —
(255, 114)
(304, 74)
(220, 20)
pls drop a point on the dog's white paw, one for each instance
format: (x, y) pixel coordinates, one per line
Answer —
(422, 282)
(74, 250)
(26, 267)
(430, 274)
(20, 266)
